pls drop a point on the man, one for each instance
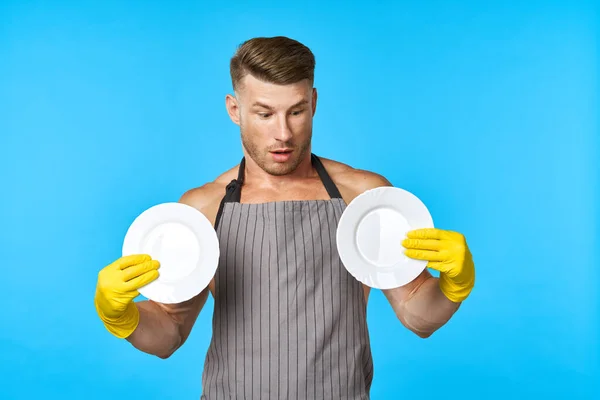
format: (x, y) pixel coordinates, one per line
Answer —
(289, 321)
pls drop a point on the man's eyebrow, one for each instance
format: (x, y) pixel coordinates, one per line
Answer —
(300, 103)
(259, 104)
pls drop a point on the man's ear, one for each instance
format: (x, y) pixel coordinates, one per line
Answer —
(314, 101)
(233, 109)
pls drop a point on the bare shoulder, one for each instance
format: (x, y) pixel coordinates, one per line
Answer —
(353, 181)
(202, 196)
(207, 198)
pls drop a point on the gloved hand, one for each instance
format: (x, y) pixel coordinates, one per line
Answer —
(448, 253)
(117, 286)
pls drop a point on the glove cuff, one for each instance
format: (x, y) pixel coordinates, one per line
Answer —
(453, 291)
(124, 325)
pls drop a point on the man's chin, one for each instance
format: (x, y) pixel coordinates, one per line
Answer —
(279, 169)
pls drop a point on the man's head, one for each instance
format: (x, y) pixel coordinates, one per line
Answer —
(274, 101)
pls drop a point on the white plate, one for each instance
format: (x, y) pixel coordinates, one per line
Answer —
(370, 233)
(185, 243)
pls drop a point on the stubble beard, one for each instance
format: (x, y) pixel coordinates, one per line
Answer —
(261, 157)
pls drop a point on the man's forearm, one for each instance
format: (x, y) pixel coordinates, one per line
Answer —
(157, 332)
(426, 309)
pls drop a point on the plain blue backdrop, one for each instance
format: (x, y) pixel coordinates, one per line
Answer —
(487, 112)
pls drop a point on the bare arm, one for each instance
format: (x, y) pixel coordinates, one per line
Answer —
(164, 328)
(421, 306)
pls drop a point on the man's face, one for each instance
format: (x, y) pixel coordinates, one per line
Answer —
(275, 122)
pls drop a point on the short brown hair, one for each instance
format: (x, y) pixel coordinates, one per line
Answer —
(279, 60)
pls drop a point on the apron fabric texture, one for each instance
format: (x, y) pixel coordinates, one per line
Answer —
(289, 321)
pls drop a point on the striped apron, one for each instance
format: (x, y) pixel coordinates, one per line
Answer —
(289, 321)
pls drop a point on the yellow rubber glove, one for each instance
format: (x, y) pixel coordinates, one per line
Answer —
(447, 252)
(117, 286)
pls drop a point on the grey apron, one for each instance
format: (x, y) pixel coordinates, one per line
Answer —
(289, 321)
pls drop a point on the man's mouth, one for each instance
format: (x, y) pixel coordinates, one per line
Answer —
(281, 155)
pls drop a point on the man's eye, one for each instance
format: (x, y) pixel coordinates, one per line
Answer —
(298, 112)
(264, 115)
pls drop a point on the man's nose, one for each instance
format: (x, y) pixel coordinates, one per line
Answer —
(284, 133)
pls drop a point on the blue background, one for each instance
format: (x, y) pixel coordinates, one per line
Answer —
(487, 112)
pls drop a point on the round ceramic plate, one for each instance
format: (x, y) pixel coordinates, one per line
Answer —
(185, 243)
(370, 233)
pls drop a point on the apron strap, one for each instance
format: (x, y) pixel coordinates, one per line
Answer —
(331, 188)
